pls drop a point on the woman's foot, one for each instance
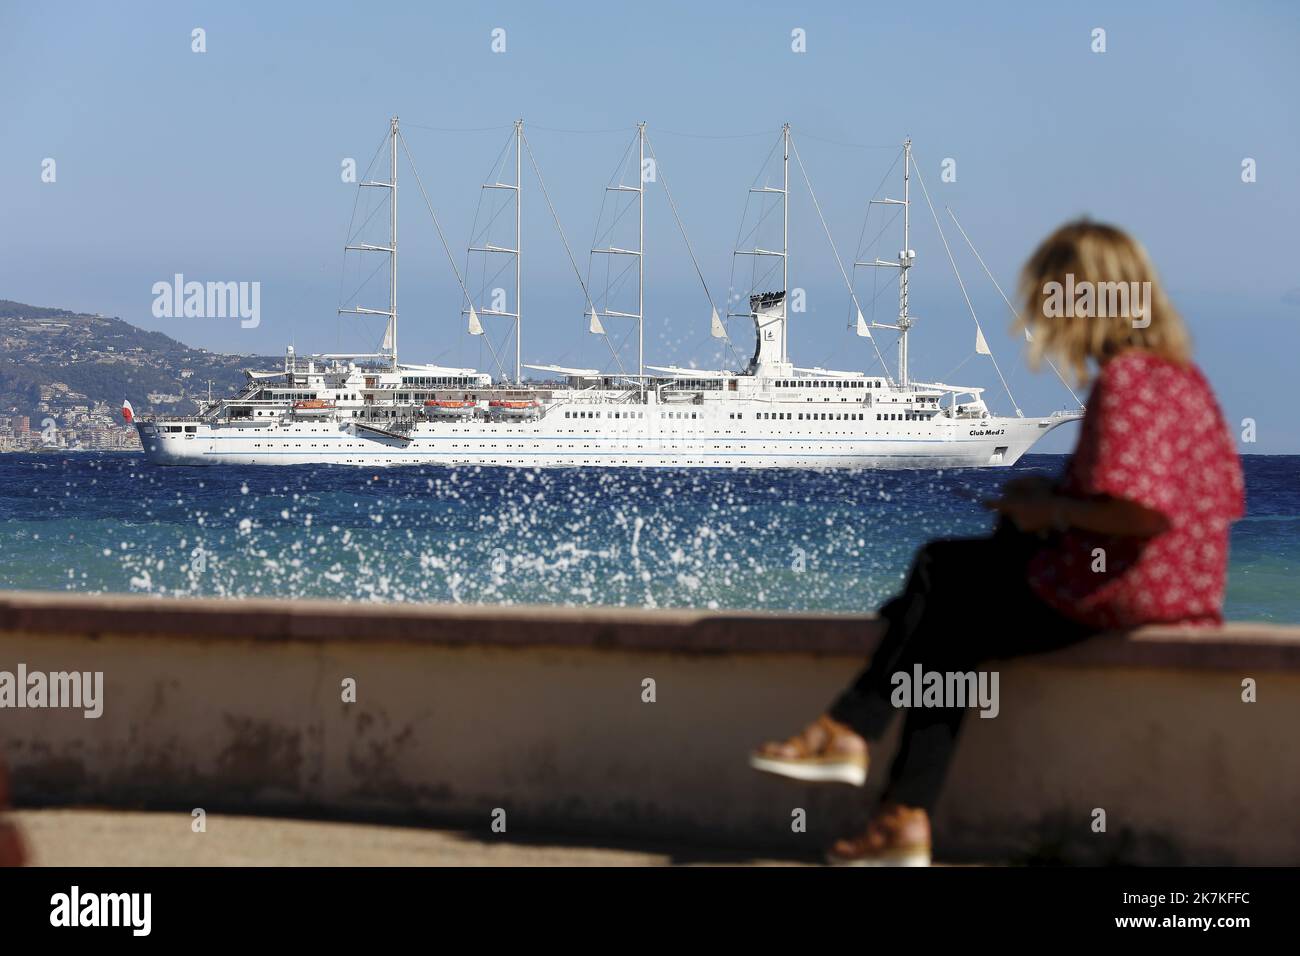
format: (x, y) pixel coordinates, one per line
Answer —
(824, 751)
(896, 836)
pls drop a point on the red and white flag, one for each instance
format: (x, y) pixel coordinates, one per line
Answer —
(128, 413)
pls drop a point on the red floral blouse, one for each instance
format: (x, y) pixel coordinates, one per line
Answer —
(1153, 434)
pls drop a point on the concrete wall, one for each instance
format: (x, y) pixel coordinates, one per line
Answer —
(237, 706)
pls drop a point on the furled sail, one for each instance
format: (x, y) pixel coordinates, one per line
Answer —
(864, 330)
(716, 328)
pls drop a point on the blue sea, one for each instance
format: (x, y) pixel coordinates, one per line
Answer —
(762, 540)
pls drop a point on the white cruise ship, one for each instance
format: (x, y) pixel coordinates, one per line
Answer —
(373, 410)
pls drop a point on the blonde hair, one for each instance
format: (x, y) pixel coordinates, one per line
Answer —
(1095, 257)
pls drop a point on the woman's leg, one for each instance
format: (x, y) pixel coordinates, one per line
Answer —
(1016, 624)
(951, 583)
(977, 609)
(834, 747)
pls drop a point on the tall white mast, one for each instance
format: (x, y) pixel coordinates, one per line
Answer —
(784, 193)
(903, 263)
(640, 254)
(392, 256)
(390, 331)
(489, 248)
(905, 258)
(785, 241)
(519, 242)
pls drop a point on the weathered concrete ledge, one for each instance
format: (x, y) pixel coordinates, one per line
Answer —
(1258, 645)
(237, 705)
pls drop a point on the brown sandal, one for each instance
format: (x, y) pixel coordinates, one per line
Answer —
(824, 751)
(896, 836)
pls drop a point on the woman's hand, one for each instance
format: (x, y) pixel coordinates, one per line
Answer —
(1029, 486)
(1031, 513)
(1030, 503)
(1039, 514)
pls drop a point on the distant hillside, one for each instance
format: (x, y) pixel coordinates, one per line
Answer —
(52, 360)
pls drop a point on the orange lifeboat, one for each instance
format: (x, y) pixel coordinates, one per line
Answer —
(449, 408)
(515, 409)
(313, 406)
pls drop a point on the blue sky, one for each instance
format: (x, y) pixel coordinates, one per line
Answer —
(226, 165)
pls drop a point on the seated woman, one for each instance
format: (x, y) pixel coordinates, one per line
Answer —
(1135, 533)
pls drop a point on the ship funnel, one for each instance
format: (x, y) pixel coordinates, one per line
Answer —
(767, 309)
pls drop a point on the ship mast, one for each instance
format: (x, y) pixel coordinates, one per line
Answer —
(519, 242)
(785, 241)
(784, 254)
(391, 337)
(903, 263)
(640, 254)
(515, 251)
(905, 258)
(390, 331)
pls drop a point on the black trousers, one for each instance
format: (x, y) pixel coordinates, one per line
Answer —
(965, 602)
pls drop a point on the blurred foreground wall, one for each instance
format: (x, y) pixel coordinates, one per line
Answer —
(459, 711)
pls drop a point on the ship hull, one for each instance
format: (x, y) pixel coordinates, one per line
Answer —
(995, 442)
